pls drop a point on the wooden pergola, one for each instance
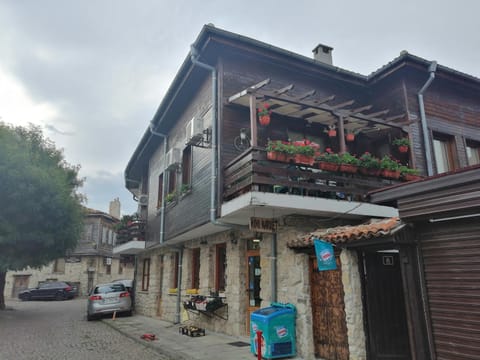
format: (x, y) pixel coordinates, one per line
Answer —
(315, 110)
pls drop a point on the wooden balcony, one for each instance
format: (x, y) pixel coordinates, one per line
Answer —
(252, 171)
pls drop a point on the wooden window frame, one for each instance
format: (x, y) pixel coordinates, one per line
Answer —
(195, 268)
(146, 274)
(474, 147)
(448, 144)
(187, 165)
(220, 266)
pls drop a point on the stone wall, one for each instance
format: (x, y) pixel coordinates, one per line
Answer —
(353, 305)
(76, 272)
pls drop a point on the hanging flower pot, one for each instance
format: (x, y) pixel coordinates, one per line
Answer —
(402, 144)
(332, 133)
(264, 114)
(264, 120)
(350, 137)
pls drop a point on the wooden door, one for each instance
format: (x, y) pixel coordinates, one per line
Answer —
(20, 282)
(387, 321)
(328, 311)
(253, 283)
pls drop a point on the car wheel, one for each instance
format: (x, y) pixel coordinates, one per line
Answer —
(90, 317)
(128, 313)
(25, 297)
(60, 296)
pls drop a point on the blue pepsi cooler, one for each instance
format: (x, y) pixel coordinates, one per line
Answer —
(277, 324)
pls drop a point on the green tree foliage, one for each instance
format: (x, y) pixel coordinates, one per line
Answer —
(41, 213)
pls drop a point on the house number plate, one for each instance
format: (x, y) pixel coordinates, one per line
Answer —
(387, 260)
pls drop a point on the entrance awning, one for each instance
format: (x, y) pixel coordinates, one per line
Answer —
(350, 235)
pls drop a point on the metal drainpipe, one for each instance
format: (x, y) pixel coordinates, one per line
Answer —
(426, 136)
(164, 184)
(214, 174)
(274, 267)
(179, 284)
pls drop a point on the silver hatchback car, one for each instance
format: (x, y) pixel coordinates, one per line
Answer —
(107, 299)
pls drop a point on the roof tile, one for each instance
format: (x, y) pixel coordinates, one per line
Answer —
(347, 234)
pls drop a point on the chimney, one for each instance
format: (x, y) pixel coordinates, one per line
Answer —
(115, 208)
(323, 53)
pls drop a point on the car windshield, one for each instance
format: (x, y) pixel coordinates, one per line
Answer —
(103, 289)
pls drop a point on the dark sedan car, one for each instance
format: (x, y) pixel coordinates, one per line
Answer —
(57, 290)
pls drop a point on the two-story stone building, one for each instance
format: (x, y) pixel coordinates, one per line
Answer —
(231, 224)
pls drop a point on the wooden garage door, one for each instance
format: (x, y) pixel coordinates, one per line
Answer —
(451, 255)
(328, 311)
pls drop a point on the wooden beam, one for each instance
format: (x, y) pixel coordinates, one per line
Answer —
(363, 108)
(248, 90)
(284, 90)
(306, 95)
(378, 113)
(253, 120)
(341, 105)
(324, 100)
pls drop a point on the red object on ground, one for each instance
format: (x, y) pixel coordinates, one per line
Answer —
(148, 336)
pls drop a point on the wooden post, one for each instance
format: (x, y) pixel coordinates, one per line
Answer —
(341, 135)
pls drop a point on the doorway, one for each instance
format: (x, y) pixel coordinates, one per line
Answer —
(20, 282)
(254, 273)
(385, 306)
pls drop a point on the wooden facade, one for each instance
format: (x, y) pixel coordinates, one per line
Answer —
(306, 98)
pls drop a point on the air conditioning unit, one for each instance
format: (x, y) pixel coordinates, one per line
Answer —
(174, 157)
(143, 200)
(194, 130)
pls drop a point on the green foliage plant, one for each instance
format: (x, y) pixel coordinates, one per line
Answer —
(329, 156)
(41, 212)
(389, 163)
(368, 161)
(349, 159)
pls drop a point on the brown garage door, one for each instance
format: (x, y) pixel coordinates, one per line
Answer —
(451, 254)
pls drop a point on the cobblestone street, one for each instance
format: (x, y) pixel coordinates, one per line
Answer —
(50, 330)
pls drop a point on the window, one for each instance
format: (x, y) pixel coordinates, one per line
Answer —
(473, 152)
(443, 149)
(195, 268)
(59, 266)
(146, 274)
(174, 261)
(220, 266)
(172, 180)
(160, 191)
(187, 166)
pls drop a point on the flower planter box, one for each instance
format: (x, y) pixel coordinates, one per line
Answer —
(369, 172)
(304, 159)
(279, 156)
(323, 165)
(411, 177)
(390, 174)
(348, 168)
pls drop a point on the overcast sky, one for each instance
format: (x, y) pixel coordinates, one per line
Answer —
(92, 73)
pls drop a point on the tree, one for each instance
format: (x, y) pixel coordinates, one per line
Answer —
(41, 213)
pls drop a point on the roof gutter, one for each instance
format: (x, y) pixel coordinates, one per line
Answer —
(426, 135)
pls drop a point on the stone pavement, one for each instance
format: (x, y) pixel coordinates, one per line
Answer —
(170, 342)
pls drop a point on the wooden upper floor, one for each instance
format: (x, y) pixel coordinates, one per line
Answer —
(201, 122)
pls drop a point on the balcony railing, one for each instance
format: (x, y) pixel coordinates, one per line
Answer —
(252, 171)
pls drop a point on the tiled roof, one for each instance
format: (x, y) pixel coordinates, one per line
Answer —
(346, 234)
